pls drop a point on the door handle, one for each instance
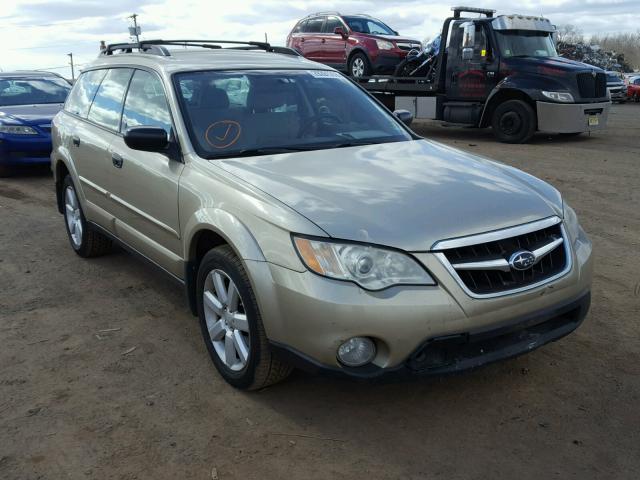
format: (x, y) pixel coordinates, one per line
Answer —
(117, 160)
(324, 40)
(302, 39)
(76, 141)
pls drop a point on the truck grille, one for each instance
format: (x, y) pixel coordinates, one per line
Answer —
(492, 268)
(591, 86)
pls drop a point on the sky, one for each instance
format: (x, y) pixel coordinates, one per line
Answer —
(38, 34)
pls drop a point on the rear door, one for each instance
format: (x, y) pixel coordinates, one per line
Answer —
(334, 46)
(312, 47)
(87, 145)
(144, 185)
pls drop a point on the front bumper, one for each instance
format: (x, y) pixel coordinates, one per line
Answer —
(572, 117)
(25, 150)
(308, 316)
(388, 61)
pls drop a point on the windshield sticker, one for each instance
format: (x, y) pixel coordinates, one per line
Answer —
(223, 133)
(324, 74)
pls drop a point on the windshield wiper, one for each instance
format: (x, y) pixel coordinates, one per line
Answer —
(254, 152)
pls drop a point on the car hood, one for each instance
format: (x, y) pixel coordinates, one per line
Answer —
(534, 64)
(392, 38)
(406, 195)
(29, 114)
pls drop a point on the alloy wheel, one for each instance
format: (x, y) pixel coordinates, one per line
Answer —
(357, 67)
(226, 320)
(73, 216)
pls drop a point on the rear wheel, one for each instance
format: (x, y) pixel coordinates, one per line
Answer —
(85, 242)
(359, 66)
(513, 121)
(636, 97)
(231, 323)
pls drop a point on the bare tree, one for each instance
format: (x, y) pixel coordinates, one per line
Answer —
(570, 34)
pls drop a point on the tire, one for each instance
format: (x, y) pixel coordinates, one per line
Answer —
(513, 121)
(84, 241)
(636, 97)
(359, 66)
(234, 327)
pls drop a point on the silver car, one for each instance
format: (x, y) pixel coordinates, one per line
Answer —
(309, 225)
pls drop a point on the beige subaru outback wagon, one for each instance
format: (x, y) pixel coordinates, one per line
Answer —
(309, 225)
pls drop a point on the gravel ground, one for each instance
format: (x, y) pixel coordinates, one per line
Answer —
(103, 373)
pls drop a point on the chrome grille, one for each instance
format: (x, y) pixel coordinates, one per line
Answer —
(491, 268)
(408, 46)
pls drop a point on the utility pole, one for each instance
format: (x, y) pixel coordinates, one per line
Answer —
(136, 32)
(73, 74)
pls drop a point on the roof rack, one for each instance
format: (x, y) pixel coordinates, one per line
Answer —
(328, 12)
(484, 11)
(157, 47)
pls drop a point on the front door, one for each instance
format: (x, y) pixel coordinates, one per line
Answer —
(144, 185)
(472, 64)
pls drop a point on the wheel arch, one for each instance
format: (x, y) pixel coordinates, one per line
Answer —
(60, 171)
(500, 95)
(209, 228)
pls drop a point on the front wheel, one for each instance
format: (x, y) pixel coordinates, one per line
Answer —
(513, 121)
(359, 66)
(231, 323)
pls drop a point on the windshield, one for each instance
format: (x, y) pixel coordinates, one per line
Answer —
(368, 25)
(613, 78)
(245, 113)
(524, 43)
(26, 91)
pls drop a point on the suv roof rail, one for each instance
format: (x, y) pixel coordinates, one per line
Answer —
(484, 11)
(157, 47)
(328, 12)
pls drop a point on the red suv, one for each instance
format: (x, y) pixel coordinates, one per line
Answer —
(358, 44)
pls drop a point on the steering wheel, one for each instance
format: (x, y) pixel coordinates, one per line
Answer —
(319, 120)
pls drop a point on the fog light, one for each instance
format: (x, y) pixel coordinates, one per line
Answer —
(357, 351)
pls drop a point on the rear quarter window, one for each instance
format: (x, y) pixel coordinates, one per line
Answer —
(81, 96)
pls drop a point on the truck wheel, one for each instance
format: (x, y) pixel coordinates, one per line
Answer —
(85, 242)
(231, 323)
(636, 97)
(359, 66)
(513, 121)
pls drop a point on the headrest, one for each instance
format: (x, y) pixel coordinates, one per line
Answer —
(214, 97)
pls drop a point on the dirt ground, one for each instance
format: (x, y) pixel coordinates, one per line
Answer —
(103, 372)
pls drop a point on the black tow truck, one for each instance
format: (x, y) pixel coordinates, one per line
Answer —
(501, 72)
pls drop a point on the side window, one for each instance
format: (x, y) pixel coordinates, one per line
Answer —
(314, 25)
(300, 27)
(146, 104)
(107, 104)
(80, 98)
(331, 24)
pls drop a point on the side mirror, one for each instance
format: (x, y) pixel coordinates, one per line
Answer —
(405, 116)
(147, 139)
(467, 54)
(340, 31)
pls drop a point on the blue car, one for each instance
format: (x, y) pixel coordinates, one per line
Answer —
(28, 103)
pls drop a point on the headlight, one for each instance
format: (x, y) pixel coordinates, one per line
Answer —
(564, 97)
(370, 267)
(384, 45)
(571, 222)
(17, 130)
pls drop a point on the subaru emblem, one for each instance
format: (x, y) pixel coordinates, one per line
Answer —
(522, 260)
